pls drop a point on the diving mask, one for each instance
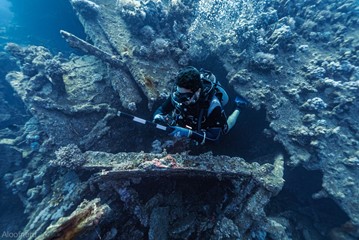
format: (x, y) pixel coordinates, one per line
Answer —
(184, 96)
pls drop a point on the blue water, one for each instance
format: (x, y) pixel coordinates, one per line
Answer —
(38, 22)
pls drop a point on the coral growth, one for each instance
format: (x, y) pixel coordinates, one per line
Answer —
(297, 61)
(69, 156)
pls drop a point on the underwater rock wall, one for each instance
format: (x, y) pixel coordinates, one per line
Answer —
(157, 196)
(296, 59)
(75, 95)
(151, 68)
(304, 71)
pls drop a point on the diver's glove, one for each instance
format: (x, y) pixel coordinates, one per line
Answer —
(160, 119)
(241, 103)
(180, 132)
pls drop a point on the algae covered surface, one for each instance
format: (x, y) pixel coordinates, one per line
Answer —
(72, 168)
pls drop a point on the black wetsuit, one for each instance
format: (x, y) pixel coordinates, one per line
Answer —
(213, 123)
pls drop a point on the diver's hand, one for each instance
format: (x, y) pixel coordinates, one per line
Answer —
(180, 132)
(160, 119)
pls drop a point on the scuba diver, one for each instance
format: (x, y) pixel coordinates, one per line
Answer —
(195, 107)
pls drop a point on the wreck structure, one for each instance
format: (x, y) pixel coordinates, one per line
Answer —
(90, 174)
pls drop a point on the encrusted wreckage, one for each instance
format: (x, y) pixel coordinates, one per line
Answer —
(176, 204)
(273, 54)
(86, 216)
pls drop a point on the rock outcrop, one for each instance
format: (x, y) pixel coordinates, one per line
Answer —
(228, 201)
(297, 60)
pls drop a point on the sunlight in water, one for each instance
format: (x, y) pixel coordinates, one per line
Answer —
(6, 14)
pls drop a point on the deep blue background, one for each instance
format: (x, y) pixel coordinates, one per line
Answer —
(38, 22)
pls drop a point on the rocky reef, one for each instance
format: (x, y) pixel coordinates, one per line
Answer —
(297, 60)
(151, 190)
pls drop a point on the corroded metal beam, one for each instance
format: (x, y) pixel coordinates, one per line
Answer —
(164, 172)
(86, 47)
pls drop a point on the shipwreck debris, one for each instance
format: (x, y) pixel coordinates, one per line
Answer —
(86, 216)
(75, 42)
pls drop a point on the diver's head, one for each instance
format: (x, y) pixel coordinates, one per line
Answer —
(189, 78)
(188, 87)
